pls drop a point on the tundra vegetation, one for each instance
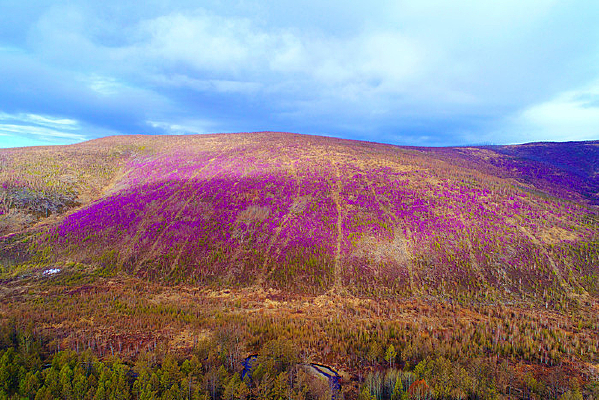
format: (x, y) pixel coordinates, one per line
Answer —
(413, 272)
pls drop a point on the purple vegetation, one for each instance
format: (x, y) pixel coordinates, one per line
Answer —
(272, 213)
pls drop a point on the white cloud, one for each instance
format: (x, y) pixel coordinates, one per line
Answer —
(63, 123)
(40, 127)
(567, 117)
(43, 133)
(104, 85)
(570, 116)
(207, 85)
(183, 127)
(238, 48)
(375, 68)
(205, 41)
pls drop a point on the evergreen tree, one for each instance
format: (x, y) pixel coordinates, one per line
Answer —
(66, 387)
(30, 384)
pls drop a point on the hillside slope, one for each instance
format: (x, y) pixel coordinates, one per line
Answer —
(310, 214)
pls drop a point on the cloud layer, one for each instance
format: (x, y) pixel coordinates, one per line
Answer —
(424, 73)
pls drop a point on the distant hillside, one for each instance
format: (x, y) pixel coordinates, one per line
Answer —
(311, 214)
(564, 170)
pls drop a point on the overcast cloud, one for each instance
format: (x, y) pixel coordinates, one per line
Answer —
(426, 72)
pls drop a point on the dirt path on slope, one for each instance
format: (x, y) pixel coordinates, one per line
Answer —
(336, 195)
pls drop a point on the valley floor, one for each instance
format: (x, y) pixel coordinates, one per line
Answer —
(434, 347)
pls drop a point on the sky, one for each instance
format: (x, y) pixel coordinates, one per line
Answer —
(418, 72)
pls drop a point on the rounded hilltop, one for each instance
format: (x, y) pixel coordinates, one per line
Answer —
(312, 214)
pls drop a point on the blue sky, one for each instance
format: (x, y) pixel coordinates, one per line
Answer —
(419, 72)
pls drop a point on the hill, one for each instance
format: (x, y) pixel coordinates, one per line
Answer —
(313, 214)
(465, 272)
